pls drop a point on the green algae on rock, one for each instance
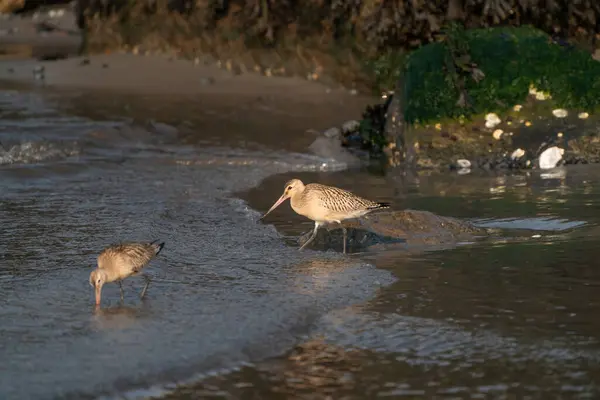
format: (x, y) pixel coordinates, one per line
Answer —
(450, 89)
(512, 59)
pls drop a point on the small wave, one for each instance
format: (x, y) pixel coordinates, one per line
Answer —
(420, 340)
(283, 162)
(35, 152)
(536, 224)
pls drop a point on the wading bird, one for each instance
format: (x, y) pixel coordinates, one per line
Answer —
(325, 204)
(120, 261)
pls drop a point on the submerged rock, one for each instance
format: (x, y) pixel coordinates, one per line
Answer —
(408, 227)
(334, 132)
(331, 148)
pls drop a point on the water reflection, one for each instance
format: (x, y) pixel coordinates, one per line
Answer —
(119, 317)
(465, 320)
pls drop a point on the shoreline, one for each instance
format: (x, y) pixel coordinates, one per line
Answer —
(335, 112)
(157, 74)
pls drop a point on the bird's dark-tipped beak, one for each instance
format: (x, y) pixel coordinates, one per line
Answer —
(283, 198)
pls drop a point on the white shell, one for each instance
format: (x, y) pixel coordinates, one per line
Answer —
(550, 157)
(497, 134)
(518, 153)
(463, 163)
(560, 113)
(491, 120)
(350, 126)
(583, 115)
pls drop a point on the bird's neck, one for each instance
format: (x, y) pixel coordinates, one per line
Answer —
(297, 201)
(108, 273)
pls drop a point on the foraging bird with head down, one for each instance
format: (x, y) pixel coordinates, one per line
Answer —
(325, 204)
(120, 261)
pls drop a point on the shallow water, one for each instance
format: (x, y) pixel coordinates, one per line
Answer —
(226, 290)
(515, 315)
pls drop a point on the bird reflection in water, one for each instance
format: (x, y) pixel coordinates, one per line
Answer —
(118, 317)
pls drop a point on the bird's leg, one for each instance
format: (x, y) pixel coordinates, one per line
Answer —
(147, 279)
(122, 292)
(345, 236)
(312, 236)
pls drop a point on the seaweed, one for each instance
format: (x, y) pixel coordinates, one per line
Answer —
(511, 59)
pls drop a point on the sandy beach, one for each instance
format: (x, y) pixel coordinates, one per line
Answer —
(31, 54)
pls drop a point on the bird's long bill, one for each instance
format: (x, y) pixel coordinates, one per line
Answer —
(283, 198)
(98, 294)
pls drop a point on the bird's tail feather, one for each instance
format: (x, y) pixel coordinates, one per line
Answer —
(380, 206)
(158, 246)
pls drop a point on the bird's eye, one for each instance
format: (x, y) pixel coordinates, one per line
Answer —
(289, 188)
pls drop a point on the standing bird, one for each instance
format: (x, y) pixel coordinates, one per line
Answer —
(120, 261)
(325, 204)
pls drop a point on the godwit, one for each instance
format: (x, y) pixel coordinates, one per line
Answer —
(120, 261)
(325, 204)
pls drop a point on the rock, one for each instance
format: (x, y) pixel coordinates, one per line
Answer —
(334, 132)
(407, 227)
(350, 126)
(560, 113)
(437, 127)
(583, 115)
(463, 163)
(518, 153)
(550, 157)
(331, 148)
(491, 120)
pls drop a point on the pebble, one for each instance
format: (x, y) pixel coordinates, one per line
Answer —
(560, 113)
(518, 153)
(491, 120)
(517, 107)
(350, 126)
(583, 115)
(541, 96)
(334, 132)
(550, 157)
(497, 134)
(463, 163)
(532, 90)
(438, 126)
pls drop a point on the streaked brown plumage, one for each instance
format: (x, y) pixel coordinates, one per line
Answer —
(120, 261)
(325, 204)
